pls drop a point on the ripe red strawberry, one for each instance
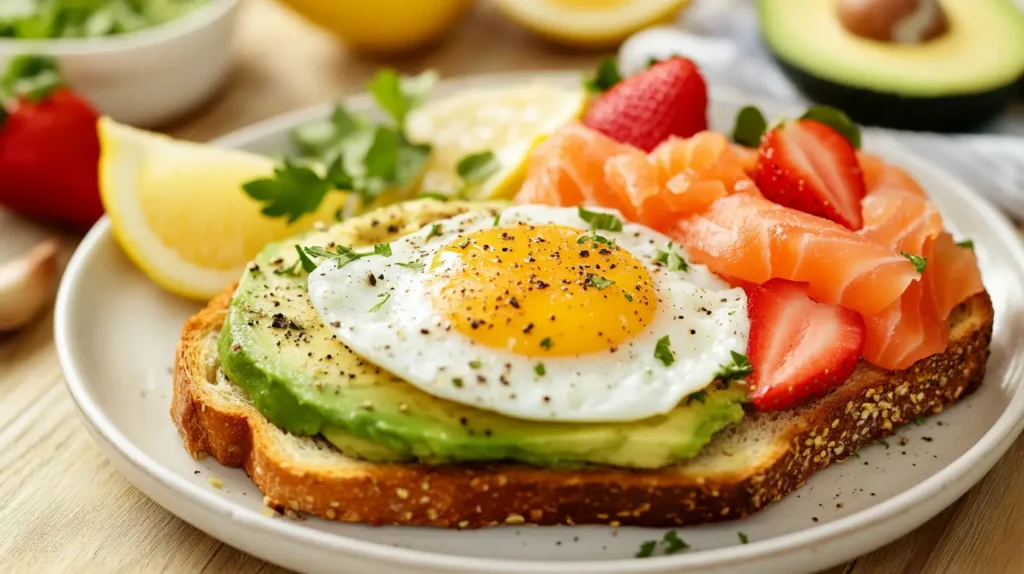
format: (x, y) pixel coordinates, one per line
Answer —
(667, 99)
(49, 149)
(811, 167)
(799, 348)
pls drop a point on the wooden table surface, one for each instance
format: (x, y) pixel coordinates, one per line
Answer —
(64, 508)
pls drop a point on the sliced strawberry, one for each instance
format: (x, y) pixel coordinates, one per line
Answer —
(669, 98)
(807, 165)
(799, 348)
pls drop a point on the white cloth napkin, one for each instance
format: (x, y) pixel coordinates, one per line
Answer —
(722, 36)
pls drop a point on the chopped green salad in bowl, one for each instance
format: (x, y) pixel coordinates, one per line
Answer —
(39, 19)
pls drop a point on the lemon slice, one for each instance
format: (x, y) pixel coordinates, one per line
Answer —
(178, 209)
(506, 121)
(589, 23)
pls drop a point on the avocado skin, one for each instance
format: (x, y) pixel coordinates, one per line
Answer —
(946, 114)
(274, 346)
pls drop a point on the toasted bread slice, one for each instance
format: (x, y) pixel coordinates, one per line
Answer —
(744, 469)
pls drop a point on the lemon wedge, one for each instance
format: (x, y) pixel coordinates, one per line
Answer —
(589, 23)
(178, 209)
(505, 121)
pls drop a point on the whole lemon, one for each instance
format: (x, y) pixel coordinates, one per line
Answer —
(383, 25)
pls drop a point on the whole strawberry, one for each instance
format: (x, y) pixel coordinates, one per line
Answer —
(49, 149)
(669, 98)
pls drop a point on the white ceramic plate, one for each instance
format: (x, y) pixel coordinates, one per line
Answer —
(116, 333)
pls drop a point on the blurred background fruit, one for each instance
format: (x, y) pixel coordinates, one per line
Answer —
(590, 23)
(383, 25)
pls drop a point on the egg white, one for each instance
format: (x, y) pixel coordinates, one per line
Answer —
(704, 318)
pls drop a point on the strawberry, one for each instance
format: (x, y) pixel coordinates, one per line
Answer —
(809, 166)
(799, 348)
(49, 149)
(667, 99)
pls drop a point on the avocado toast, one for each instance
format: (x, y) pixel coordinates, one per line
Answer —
(310, 453)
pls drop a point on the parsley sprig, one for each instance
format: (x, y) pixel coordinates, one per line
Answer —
(663, 351)
(920, 263)
(739, 368)
(344, 255)
(671, 259)
(348, 152)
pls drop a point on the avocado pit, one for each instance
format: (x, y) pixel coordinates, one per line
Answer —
(895, 21)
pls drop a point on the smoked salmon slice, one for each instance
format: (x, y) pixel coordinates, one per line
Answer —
(752, 239)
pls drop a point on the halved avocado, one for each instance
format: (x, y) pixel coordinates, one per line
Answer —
(954, 82)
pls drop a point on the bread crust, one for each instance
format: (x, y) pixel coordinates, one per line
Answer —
(870, 406)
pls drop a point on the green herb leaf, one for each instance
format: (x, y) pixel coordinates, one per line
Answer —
(539, 369)
(475, 365)
(383, 299)
(293, 191)
(627, 296)
(855, 453)
(606, 76)
(920, 420)
(30, 77)
(598, 282)
(673, 543)
(497, 219)
(546, 343)
(414, 265)
(319, 137)
(600, 221)
(595, 239)
(919, 262)
(743, 538)
(750, 126)
(966, 243)
(837, 120)
(671, 259)
(306, 262)
(663, 351)
(457, 382)
(343, 255)
(435, 230)
(646, 549)
(738, 369)
(884, 443)
(475, 168)
(398, 95)
(382, 249)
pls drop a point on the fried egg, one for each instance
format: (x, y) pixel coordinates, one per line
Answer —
(537, 313)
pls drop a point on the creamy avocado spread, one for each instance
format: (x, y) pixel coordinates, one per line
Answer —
(275, 347)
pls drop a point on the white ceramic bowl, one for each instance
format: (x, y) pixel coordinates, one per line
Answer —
(148, 77)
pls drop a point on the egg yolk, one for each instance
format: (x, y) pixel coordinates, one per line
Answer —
(543, 290)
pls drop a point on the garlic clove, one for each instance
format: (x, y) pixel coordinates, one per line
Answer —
(27, 284)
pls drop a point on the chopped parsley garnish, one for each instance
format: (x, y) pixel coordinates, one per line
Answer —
(598, 282)
(595, 239)
(349, 153)
(343, 255)
(497, 219)
(919, 262)
(920, 420)
(671, 259)
(699, 396)
(966, 243)
(383, 299)
(739, 368)
(475, 168)
(475, 364)
(743, 538)
(546, 343)
(884, 443)
(304, 259)
(663, 351)
(414, 265)
(435, 231)
(600, 221)
(750, 126)
(606, 76)
(539, 369)
(673, 543)
(457, 381)
(627, 296)
(646, 549)
(855, 453)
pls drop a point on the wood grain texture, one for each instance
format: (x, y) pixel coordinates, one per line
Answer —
(64, 508)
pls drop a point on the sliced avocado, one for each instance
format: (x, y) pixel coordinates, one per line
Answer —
(304, 380)
(955, 81)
